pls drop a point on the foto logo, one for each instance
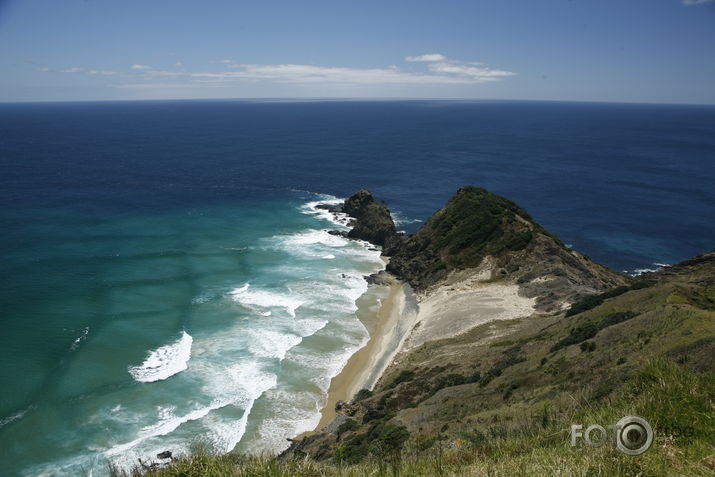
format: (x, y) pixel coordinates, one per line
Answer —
(632, 435)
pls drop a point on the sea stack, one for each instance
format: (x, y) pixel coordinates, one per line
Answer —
(373, 222)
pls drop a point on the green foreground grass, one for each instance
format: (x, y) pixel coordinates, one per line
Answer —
(678, 403)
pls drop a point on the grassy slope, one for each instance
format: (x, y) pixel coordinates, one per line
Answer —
(499, 399)
(682, 400)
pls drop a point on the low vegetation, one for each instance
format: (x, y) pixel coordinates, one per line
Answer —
(476, 223)
(592, 301)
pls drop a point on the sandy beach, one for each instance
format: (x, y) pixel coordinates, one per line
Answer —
(388, 327)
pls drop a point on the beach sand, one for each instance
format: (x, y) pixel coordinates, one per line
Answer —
(454, 308)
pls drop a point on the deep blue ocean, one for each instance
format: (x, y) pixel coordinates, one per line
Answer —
(166, 279)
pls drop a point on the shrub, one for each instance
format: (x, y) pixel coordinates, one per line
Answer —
(587, 303)
(577, 335)
(362, 394)
(592, 301)
(454, 380)
(347, 426)
(615, 318)
(404, 376)
(588, 346)
(380, 439)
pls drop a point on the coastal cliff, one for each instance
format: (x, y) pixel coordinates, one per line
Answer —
(516, 334)
(481, 232)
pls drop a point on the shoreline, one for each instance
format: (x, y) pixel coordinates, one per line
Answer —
(449, 310)
(367, 364)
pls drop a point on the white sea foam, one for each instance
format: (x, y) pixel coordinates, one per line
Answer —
(309, 327)
(165, 361)
(271, 344)
(329, 256)
(640, 271)
(286, 421)
(339, 294)
(14, 417)
(241, 289)
(249, 382)
(83, 336)
(237, 385)
(266, 299)
(313, 237)
(401, 219)
(337, 218)
(164, 427)
(199, 300)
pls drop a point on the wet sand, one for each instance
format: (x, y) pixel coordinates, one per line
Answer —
(364, 367)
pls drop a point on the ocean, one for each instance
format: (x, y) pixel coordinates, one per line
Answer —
(167, 281)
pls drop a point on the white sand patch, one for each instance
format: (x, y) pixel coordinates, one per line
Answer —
(452, 309)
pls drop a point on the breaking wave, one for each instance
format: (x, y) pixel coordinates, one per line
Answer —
(165, 361)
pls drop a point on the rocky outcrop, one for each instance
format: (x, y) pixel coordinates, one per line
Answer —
(482, 232)
(373, 221)
(476, 228)
(380, 278)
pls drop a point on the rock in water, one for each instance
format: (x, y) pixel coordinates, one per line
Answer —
(373, 221)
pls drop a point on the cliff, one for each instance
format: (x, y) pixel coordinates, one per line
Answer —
(481, 231)
(519, 335)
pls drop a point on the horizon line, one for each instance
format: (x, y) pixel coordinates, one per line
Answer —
(348, 99)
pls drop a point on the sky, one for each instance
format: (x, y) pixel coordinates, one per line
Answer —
(660, 51)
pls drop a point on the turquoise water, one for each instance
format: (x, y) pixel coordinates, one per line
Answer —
(188, 320)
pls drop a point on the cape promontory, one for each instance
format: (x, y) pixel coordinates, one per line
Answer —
(480, 229)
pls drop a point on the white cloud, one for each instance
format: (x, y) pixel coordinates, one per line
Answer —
(695, 2)
(439, 70)
(178, 64)
(153, 85)
(101, 72)
(222, 61)
(42, 68)
(293, 73)
(74, 69)
(427, 57)
(140, 67)
(466, 71)
(162, 73)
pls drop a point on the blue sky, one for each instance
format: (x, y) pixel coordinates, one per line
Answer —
(583, 50)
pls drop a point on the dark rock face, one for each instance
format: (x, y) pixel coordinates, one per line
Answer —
(373, 222)
(380, 278)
